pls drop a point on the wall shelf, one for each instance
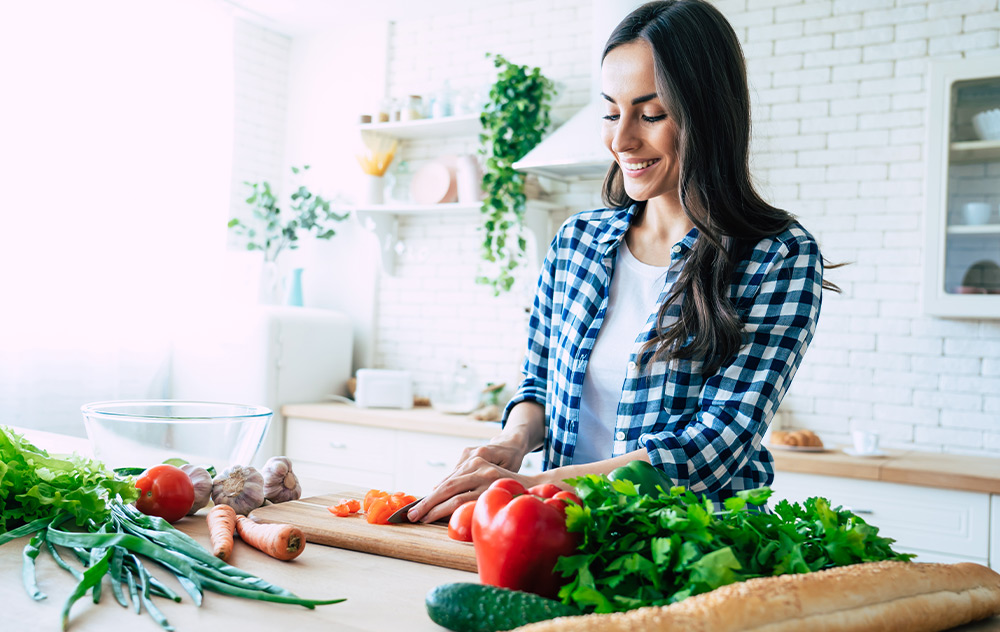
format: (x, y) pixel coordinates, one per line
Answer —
(985, 229)
(975, 151)
(465, 125)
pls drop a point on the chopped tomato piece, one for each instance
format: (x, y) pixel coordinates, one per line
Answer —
(372, 495)
(340, 510)
(345, 507)
(379, 511)
(400, 500)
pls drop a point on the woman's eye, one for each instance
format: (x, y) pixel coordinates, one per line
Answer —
(654, 119)
(611, 117)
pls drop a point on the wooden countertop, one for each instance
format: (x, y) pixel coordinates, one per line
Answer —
(415, 419)
(927, 469)
(382, 593)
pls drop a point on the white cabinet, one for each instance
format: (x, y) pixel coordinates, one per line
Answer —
(962, 262)
(938, 525)
(995, 525)
(372, 456)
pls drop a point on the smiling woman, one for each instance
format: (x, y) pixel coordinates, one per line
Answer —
(667, 326)
(115, 158)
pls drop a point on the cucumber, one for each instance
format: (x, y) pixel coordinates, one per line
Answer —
(467, 607)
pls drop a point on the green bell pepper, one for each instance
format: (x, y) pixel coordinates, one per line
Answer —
(645, 476)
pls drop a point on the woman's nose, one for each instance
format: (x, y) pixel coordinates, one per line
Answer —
(625, 138)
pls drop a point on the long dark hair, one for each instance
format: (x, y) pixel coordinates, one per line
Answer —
(701, 79)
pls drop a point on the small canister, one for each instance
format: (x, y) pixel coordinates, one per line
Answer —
(413, 109)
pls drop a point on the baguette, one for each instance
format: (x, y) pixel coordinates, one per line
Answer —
(877, 596)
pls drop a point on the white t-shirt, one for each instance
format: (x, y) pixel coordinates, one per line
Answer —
(633, 297)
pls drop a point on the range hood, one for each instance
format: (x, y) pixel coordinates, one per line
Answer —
(575, 150)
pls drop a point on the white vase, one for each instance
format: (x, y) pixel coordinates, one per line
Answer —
(375, 189)
(269, 292)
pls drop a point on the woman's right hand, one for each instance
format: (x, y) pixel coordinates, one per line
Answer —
(477, 468)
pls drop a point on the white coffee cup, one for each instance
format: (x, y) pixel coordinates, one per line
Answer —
(865, 442)
(977, 213)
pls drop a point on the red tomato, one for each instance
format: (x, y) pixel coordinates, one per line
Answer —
(460, 524)
(568, 496)
(545, 490)
(165, 491)
(510, 485)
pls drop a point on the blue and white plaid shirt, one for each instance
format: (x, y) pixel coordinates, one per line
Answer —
(703, 431)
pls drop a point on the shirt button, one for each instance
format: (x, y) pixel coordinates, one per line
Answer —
(631, 366)
(676, 248)
(620, 436)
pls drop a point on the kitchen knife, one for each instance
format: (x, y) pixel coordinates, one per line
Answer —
(399, 516)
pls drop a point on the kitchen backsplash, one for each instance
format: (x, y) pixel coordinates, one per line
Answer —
(840, 102)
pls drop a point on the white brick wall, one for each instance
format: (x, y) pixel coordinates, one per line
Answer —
(839, 109)
(261, 66)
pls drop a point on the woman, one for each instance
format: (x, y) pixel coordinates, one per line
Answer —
(668, 326)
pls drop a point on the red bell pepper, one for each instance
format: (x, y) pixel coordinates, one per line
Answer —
(518, 536)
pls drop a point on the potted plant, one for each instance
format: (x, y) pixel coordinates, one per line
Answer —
(514, 121)
(274, 229)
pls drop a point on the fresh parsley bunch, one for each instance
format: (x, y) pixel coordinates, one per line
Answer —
(35, 485)
(640, 550)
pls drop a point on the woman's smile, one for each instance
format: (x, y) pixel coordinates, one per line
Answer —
(636, 168)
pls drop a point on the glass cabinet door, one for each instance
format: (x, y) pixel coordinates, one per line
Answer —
(963, 212)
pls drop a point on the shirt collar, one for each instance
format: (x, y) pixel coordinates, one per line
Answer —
(621, 220)
(618, 225)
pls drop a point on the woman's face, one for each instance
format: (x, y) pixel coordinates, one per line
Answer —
(636, 128)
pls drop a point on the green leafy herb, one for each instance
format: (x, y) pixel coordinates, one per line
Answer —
(35, 485)
(641, 550)
(514, 121)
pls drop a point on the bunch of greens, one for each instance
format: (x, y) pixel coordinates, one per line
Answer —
(642, 550)
(35, 485)
(72, 505)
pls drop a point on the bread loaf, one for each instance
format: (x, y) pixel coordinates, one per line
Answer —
(873, 597)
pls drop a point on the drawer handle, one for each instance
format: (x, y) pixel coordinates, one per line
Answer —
(437, 463)
(338, 446)
(866, 512)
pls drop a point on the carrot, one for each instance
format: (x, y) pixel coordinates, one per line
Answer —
(280, 541)
(221, 525)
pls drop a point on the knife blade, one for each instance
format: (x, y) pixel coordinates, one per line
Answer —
(399, 516)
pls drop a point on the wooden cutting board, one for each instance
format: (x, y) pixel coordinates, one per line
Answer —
(425, 543)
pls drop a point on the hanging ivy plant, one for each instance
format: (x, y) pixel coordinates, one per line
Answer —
(514, 121)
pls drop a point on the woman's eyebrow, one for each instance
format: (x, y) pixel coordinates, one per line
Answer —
(635, 101)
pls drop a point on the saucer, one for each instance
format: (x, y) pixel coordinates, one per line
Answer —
(853, 452)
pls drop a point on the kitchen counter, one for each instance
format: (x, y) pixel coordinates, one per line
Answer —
(423, 419)
(928, 469)
(382, 593)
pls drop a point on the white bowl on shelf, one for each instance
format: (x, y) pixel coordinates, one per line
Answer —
(987, 124)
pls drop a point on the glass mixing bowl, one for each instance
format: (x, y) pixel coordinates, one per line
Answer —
(144, 433)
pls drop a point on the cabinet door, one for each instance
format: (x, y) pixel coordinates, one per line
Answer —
(995, 526)
(423, 460)
(340, 445)
(937, 524)
(962, 263)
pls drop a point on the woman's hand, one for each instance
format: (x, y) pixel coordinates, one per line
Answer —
(476, 470)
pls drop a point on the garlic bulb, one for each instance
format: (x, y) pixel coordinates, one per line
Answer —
(280, 483)
(201, 480)
(241, 487)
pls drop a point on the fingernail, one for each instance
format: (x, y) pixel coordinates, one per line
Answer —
(411, 514)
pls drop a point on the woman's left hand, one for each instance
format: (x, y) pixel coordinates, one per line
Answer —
(467, 482)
